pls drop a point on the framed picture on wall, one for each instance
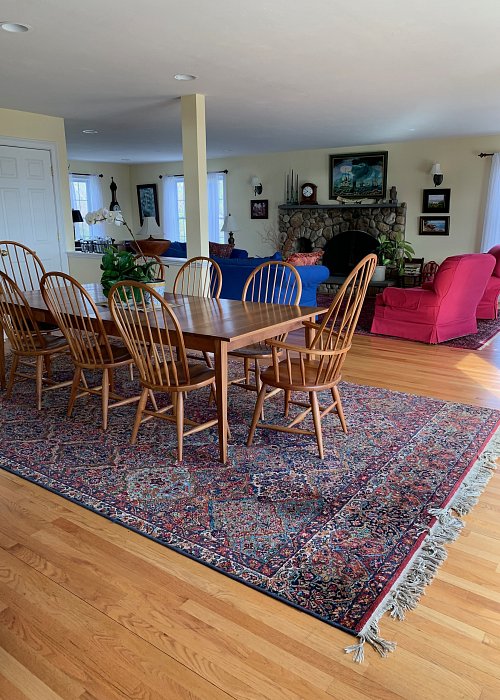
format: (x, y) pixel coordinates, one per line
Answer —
(147, 200)
(358, 175)
(436, 201)
(434, 226)
(259, 208)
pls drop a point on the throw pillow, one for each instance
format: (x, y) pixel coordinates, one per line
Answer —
(299, 259)
(220, 250)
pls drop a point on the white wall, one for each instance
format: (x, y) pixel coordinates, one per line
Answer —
(409, 164)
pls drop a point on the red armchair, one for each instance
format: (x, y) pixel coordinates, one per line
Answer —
(445, 311)
(488, 306)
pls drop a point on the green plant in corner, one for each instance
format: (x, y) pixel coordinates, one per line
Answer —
(392, 251)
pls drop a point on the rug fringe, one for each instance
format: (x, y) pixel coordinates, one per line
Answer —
(421, 570)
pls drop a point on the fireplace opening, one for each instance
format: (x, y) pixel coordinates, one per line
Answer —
(345, 250)
(304, 245)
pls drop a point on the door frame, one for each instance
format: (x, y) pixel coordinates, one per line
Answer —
(51, 147)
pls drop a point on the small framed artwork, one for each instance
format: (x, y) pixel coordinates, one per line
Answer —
(147, 200)
(358, 175)
(259, 208)
(436, 202)
(434, 226)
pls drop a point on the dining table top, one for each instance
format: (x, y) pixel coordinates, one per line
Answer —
(218, 319)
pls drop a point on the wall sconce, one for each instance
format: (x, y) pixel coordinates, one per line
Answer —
(229, 226)
(257, 185)
(437, 174)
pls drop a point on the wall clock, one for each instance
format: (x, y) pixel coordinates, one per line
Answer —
(308, 193)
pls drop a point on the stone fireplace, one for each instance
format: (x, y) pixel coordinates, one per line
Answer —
(357, 226)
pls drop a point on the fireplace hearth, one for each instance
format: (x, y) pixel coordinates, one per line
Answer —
(346, 233)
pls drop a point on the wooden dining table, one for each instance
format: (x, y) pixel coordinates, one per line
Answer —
(212, 325)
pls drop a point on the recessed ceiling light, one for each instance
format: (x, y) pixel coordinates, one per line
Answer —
(14, 27)
(90, 131)
(412, 129)
(125, 160)
(185, 76)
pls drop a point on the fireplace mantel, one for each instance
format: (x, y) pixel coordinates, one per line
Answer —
(340, 207)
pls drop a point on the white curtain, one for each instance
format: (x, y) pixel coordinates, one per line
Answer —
(171, 228)
(86, 195)
(216, 186)
(96, 202)
(174, 211)
(491, 228)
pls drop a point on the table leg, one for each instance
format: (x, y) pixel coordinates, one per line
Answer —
(220, 358)
(2, 360)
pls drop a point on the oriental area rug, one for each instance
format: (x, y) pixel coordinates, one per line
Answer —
(344, 539)
(486, 330)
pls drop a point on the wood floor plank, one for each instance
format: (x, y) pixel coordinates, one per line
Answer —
(91, 610)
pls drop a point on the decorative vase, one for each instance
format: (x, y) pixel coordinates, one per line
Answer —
(379, 274)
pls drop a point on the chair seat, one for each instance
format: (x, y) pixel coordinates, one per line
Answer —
(200, 375)
(259, 350)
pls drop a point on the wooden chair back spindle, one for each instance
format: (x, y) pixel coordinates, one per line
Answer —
(151, 333)
(16, 318)
(21, 264)
(273, 282)
(200, 277)
(158, 268)
(78, 318)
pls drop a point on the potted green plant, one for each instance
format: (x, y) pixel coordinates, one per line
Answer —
(392, 251)
(118, 265)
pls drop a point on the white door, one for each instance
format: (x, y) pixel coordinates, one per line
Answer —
(27, 202)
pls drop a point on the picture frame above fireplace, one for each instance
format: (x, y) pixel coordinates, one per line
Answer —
(358, 175)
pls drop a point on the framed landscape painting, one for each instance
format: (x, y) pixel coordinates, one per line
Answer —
(434, 226)
(147, 200)
(436, 201)
(358, 175)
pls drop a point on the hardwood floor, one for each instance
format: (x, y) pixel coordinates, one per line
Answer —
(91, 610)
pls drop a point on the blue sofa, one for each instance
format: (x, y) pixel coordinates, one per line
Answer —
(235, 272)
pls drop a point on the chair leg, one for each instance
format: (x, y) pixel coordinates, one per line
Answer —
(246, 365)
(179, 420)
(258, 384)
(13, 370)
(48, 365)
(138, 414)
(105, 397)
(40, 361)
(207, 359)
(256, 414)
(111, 380)
(74, 390)
(340, 410)
(288, 393)
(153, 400)
(313, 398)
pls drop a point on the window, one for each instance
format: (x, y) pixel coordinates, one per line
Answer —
(174, 207)
(86, 195)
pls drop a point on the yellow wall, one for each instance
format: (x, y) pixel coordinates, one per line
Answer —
(40, 127)
(409, 164)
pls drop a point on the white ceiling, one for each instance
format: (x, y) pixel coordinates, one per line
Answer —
(278, 75)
